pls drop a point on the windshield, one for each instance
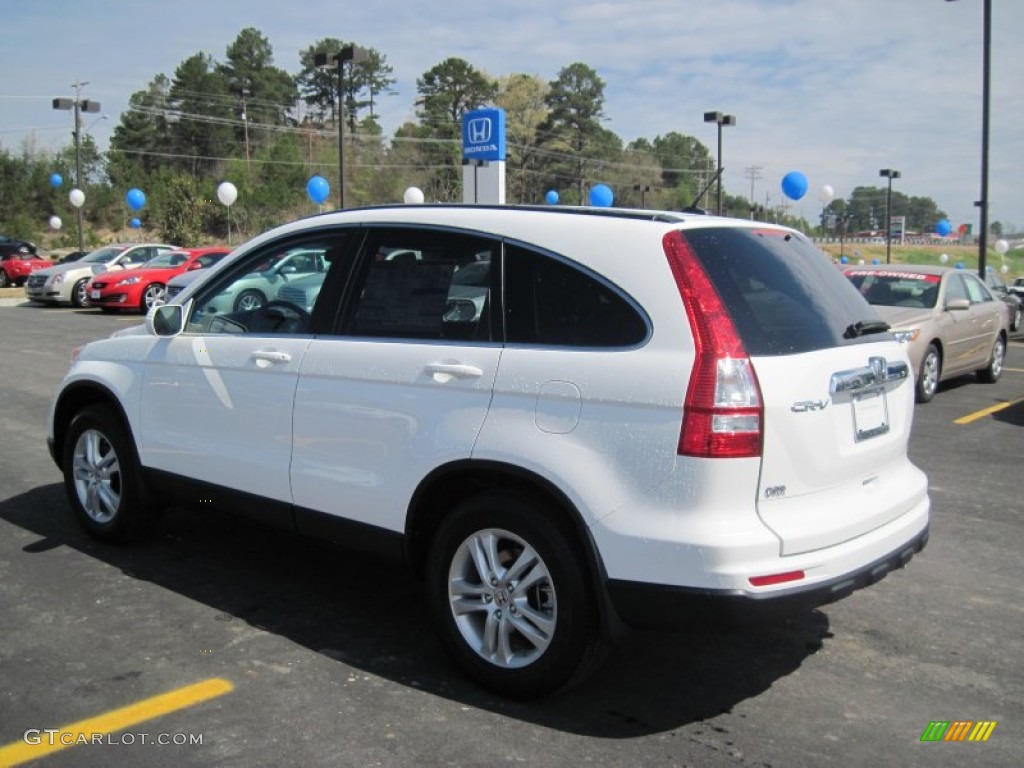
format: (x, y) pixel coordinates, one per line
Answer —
(167, 259)
(896, 289)
(102, 256)
(785, 295)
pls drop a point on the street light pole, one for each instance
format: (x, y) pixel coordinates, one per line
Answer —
(986, 73)
(354, 54)
(720, 119)
(79, 105)
(890, 174)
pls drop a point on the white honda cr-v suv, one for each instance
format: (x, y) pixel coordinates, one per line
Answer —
(564, 420)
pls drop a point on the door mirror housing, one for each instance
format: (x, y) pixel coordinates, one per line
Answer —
(958, 304)
(166, 320)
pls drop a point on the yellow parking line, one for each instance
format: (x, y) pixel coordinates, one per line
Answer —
(986, 412)
(110, 722)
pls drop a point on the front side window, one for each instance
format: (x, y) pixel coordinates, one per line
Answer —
(423, 284)
(551, 302)
(262, 295)
(976, 290)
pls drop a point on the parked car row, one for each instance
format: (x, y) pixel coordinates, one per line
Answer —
(97, 279)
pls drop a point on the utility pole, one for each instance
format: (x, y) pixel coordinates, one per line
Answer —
(245, 129)
(753, 172)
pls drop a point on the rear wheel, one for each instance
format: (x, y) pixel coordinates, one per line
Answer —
(5, 281)
(928, 376)
(102, 479)
(509, 592)
(78, 292)
(990, 374)
(155, 293)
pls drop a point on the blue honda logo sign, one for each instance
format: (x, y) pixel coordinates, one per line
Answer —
(483, 134)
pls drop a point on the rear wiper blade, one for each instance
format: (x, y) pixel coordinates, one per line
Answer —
(864, 327)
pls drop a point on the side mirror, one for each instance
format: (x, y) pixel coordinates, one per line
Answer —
(166, 320)
(958, 304)
(194, 265)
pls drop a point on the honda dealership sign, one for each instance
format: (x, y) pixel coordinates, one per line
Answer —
(483, 135)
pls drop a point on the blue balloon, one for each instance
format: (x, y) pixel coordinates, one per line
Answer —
(551, 198)
(601, 196)
(875, 261)
(844, 259)
(794, 185)
(135, 223)
(959, 265)
(943, 227)
(318, 189)
(135, 198)
(56, 179)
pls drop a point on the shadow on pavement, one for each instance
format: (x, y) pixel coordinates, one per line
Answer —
(371, 615)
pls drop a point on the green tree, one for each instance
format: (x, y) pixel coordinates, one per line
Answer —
(265, 94)
(572, 130)
(200, 126)
(179, 213)
(446, 92)
(138, 145)
(522, 98)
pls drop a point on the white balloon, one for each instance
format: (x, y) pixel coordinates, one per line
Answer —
(1005, 268)
(77, 198)
(827, 192)
(413, 196)
(1002, 246)
(860, 261)
(944, 258)
(227, 193)
(55, 222)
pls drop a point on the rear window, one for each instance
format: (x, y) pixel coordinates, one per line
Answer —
(785, 296)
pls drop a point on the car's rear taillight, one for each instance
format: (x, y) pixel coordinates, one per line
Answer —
(722, 413)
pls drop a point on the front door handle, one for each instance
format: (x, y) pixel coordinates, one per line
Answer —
(271, 356)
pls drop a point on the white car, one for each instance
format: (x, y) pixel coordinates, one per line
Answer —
(66, 283)
(654, 418)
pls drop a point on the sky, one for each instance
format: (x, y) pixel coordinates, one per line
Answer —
(835, 89)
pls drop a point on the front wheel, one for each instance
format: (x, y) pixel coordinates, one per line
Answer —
(78, 292)
(102, 479)
(154, 295)
(511, 598)
(990, 374)
(928, 376)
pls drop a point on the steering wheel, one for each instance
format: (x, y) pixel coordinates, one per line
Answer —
(300, 318)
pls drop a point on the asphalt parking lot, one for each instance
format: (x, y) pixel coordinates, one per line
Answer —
(217, 644)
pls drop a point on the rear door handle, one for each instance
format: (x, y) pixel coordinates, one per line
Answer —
(271, 356)
(443, 372)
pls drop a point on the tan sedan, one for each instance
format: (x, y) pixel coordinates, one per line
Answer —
(948, 317)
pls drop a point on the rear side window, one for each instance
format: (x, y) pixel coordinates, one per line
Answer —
(785, 296)
(550, 302)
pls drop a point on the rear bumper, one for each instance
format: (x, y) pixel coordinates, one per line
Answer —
(641, 604)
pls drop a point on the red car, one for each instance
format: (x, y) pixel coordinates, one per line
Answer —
(17, 261)
(141, 288)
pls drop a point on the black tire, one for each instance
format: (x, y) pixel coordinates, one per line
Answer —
(102, 478)
(490, 637)
(78, 293)
(929, 374)
(249, 300)
(1018, 313)
(5, 281)
(990, 374)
